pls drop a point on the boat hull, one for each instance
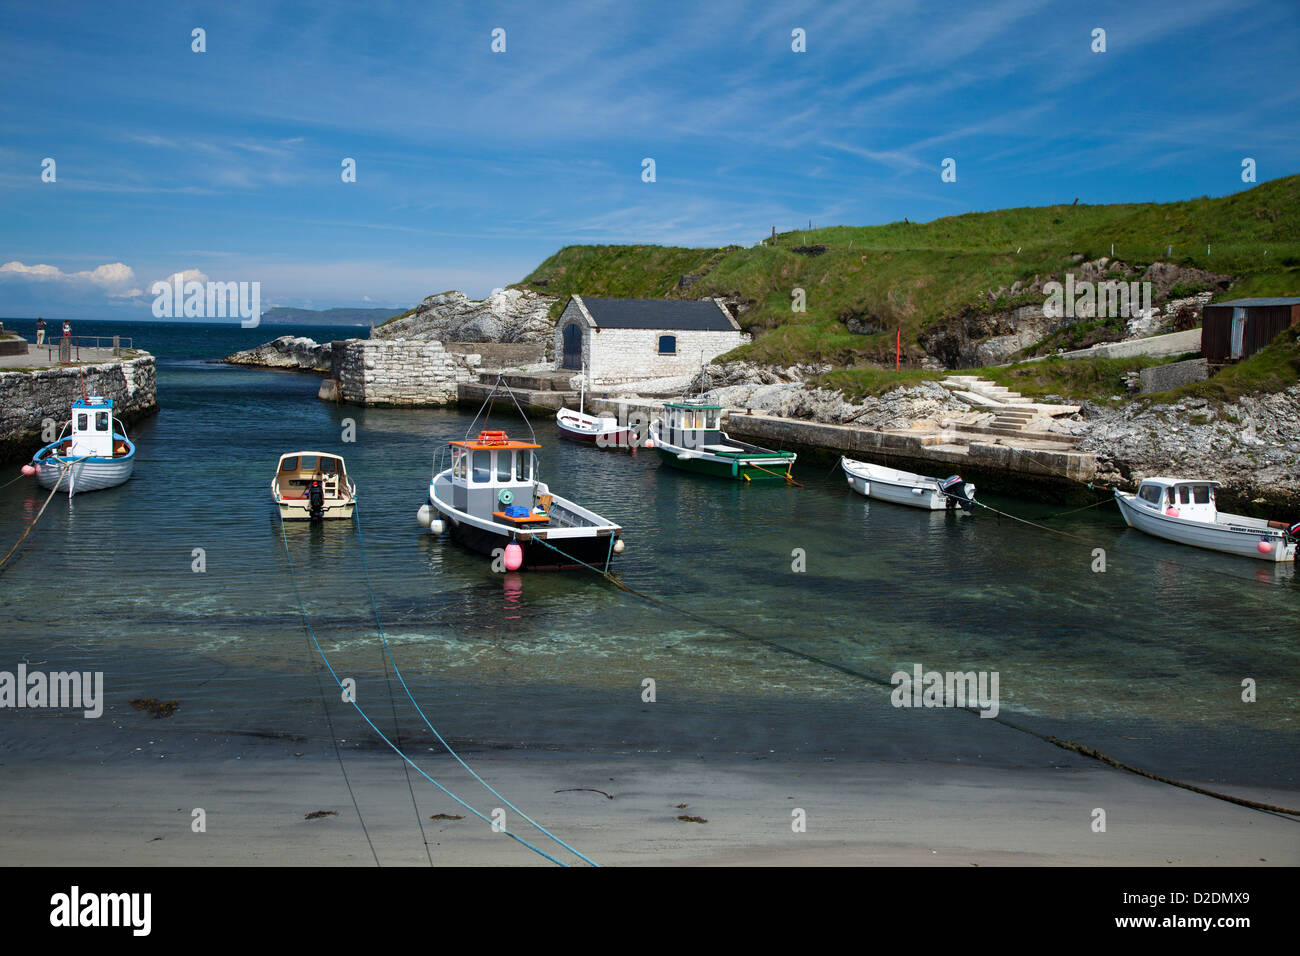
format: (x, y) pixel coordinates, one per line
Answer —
(1212, 537)
(580, 539)
(732, 469)
(589, 430)
(299, 510)
(572, 553)
(897, 487)
(91, 474)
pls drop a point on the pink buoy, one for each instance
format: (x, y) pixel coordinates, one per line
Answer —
(1172, 512)
(1264, 547)
(29, 470)
(514, 556)
(649, 443)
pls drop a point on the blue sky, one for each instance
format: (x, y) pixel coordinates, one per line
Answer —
(473, 166)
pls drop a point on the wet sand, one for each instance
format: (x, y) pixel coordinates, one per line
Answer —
(139, 812)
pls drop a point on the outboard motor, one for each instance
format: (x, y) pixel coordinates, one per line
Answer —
(955, 489)
(316, 500)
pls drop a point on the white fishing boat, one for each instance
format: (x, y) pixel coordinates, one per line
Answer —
(1183, 510)
(906, 488)
(92, 452)
(313, 486)
(493, 501)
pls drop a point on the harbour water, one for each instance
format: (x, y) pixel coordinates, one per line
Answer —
(1144, 660)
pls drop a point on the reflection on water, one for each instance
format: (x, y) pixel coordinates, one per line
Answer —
(1165, 634)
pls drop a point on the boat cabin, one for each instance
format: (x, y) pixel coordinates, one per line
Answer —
(298, 470)
(492, 472)
(1179, 498)
(693, 425)
(92, 430)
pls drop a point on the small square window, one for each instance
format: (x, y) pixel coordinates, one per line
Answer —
(667, 345)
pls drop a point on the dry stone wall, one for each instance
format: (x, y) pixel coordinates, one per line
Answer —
(396, 372)
(27, 399)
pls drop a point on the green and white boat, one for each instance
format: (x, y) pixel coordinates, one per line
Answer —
(689, 436)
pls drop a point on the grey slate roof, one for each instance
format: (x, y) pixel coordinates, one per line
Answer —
(1245, 303)
(699, 316)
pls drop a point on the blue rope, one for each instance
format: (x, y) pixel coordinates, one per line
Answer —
(307, 623)
(356, 515)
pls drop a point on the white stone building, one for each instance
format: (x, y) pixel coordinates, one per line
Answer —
(624, 340)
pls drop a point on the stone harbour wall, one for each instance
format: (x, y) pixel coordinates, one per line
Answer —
(396, 372)
(28, 398)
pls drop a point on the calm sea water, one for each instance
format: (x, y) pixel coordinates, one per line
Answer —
(1145, 660)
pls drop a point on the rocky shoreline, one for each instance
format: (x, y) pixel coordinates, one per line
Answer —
(1252, 446)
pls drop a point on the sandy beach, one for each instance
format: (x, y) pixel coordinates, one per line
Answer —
(139, 812)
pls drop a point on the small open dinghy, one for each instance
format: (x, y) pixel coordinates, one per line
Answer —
(603, 431)
(312, 486)
(1183, 510)
(91, 453)
(906, 488)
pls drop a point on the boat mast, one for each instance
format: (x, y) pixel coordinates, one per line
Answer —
(582, 388)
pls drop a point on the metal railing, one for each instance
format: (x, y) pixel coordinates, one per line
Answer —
(69, 347)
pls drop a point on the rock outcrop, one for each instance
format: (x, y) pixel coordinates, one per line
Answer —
(507, 315)
(1252, 446)
(784, 392)
(987, 335)
(289, 352)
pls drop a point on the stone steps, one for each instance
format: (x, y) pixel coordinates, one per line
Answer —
(989, 396)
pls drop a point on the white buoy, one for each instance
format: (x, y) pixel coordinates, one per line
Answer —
(424, 516)
(619, 547)
(438, 526)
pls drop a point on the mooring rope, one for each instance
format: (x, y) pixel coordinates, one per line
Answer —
(787, 476)
(1065, 744)
(397, 736)
(356, 514)
(62, 473)
(302, 608)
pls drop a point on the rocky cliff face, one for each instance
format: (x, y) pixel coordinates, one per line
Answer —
(288, 351)
(976, 337)
(1252, 446)
(508, 315)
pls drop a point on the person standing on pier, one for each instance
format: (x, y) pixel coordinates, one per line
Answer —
(67, 329)
(40, 331)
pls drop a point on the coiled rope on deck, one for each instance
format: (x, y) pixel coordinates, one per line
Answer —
(356, 515)
(1065, 744)
(302, 608)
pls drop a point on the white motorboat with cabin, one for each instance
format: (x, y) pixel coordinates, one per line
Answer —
(313, 486)
(92, 451)
(906, 488)
(1183, 510)
(493, 501)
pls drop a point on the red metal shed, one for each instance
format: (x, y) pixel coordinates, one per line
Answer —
(1231, 331)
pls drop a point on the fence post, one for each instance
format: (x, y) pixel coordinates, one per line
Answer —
(65, 350)
(117, 346)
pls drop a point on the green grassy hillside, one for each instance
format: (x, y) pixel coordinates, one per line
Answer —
(910, 275)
